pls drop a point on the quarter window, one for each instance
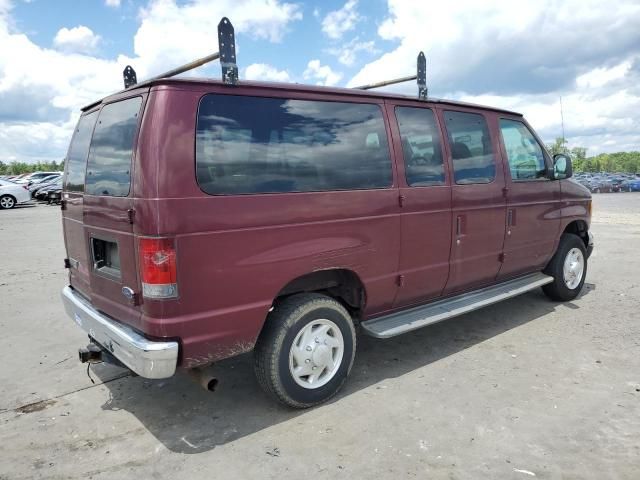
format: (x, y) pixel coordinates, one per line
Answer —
(76, 163)
(471, 150)
(420, 146)
(526, 157)
(109, 164)
(262, 145)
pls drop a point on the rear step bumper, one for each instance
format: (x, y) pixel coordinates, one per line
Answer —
(149, 359)
(418, 317)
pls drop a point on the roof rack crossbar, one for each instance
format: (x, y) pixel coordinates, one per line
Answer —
(420, 77)
(226, 54)
(387, 82)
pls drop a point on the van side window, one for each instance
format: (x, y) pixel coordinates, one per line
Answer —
(76, 163)
(471, 149)
(526, 157)
(109, 164)
(271, 145)
(421, 147)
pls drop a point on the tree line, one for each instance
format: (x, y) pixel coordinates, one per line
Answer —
(623, 162)
(18, 168)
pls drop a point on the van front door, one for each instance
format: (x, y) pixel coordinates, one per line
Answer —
(533, 201)
(478, 200)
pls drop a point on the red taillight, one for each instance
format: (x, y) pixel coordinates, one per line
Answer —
(158, 267)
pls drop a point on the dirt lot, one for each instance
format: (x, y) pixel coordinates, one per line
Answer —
(524, 389)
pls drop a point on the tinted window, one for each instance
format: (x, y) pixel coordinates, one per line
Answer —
(253, 144)
(471, 148)
(76, 163)
(109, 165)
(420, 146)
(526, 160)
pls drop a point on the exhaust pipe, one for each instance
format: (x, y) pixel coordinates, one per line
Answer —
(205, 379)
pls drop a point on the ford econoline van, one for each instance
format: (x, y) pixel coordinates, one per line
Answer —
(204, 220)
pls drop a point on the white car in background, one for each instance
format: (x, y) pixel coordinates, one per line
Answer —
(12, 194)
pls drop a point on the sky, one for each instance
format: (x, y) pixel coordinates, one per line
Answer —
(59, 55)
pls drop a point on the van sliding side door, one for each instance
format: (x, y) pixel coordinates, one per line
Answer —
(425, 198)
(478, 198)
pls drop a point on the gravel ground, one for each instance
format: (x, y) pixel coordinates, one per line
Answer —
(524, 389)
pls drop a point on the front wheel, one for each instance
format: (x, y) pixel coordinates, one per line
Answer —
(305, 350)
(7, 201)
(568, 267)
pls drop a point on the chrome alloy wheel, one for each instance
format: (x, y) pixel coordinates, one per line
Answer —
(316, 354)
(573, 268)
(7, 202)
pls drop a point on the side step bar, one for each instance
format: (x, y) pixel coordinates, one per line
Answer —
(418, 317)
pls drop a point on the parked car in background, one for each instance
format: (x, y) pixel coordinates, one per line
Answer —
(42, 193)
(12, 194)
(54, 195)
(634, 185)
(37, 176)
(600, 185)
(41, 182)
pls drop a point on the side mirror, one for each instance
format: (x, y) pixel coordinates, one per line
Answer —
(562, 167)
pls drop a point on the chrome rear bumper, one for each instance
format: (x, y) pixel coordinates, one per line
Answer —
(147, 358)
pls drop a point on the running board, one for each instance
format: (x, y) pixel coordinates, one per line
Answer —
(418, 317)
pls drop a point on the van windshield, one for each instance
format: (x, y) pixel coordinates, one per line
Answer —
(261, 145)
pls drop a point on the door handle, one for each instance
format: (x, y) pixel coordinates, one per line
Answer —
(510, 220)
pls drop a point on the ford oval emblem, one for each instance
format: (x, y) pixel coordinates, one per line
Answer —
(127, 292)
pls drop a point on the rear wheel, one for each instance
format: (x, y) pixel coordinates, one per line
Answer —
(7, 201)
(568, 267)
(305, 351)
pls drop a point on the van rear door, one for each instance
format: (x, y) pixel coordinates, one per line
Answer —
(108, 211)
(103, 244)
(72, 204)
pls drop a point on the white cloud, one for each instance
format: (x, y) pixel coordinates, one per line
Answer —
(348, 52)
(337, 22)
(601, 76)
(78, 39)
(42, 89)
(491, 52)
(193, 28)
(322, 74)
(112, 3)
(262, 71)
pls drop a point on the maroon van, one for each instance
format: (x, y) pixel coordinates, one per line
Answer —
(205, 219)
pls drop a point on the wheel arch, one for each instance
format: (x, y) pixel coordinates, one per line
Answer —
(340, 283)
(579, 228)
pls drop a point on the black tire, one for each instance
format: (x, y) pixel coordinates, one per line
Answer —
(558, 289)
(7, 202)
(271, 354)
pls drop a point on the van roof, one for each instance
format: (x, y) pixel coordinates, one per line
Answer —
(297, 87)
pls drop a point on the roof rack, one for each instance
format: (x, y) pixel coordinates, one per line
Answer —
(227, 55)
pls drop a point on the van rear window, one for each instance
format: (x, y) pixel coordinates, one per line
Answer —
(76, 163)
(269, 145)
(109, 164)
